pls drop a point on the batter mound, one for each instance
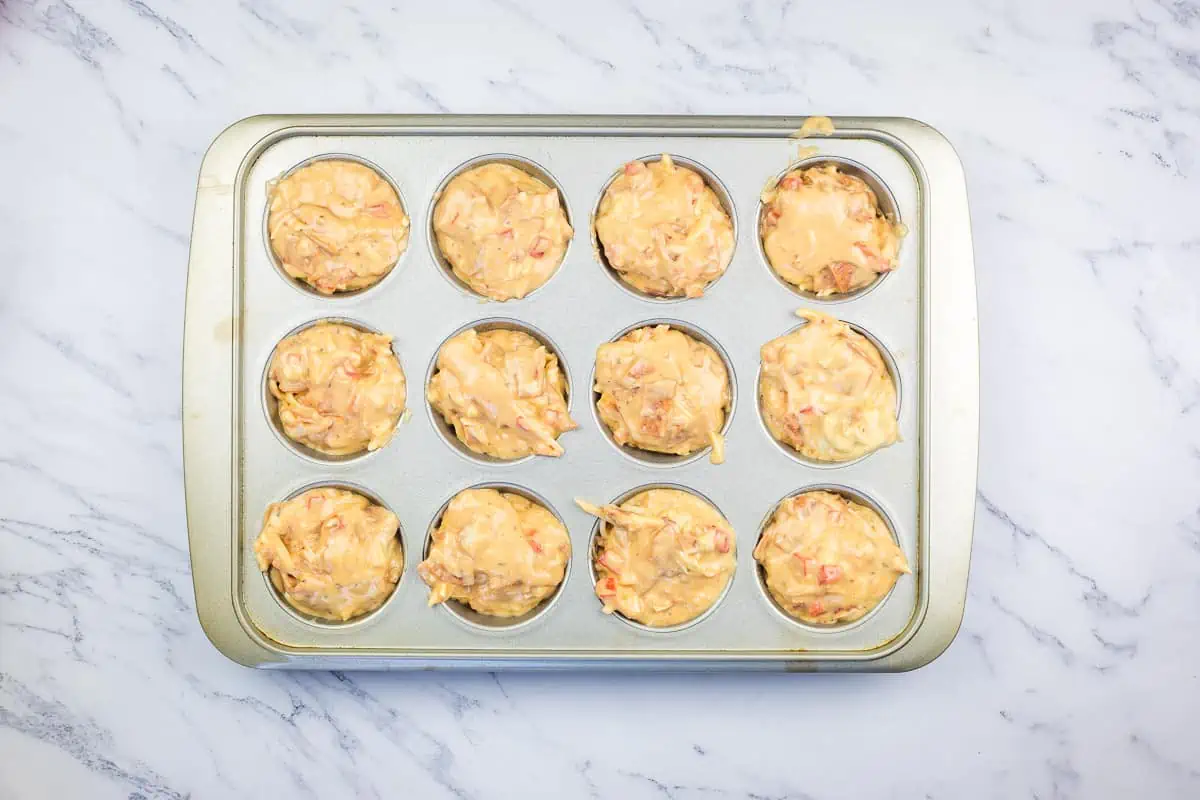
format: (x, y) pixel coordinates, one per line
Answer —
(502, 230)
(336, 225)
(664, 391)
(823, 232)
(825, 391)
(331, 553)
(828, 559)
(503, 393)
(498, 552)
(663, 557)
(663, 230)
(340, 390)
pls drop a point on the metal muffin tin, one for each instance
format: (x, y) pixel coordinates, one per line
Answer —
(240, 305)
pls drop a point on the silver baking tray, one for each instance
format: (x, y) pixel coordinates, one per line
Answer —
(240, 305)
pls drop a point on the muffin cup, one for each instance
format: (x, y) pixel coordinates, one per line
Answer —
(884, 199)
(362, 619)
(488, 623)
(652, 458)
(711, 180)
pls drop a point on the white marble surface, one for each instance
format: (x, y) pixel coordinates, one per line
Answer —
(1075, 673)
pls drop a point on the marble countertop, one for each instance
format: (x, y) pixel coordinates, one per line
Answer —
(1072, 677)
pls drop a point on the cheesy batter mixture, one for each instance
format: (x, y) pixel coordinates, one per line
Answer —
(339, 390)
(503, 231)
(828, 559)
(503, 393)
(331, 553)
(663, 557)
(823, 232)
(664, 230)
(336, 225)
(664, 391)
(498, 552)
(815, 126)
(825, 391)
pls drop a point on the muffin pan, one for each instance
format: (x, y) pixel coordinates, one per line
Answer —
(239, 306)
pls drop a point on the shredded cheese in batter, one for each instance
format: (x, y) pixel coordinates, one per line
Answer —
(500, 553)
(662, 390)
(663, 557)
(828, 559)
(825, 391)
(503, 393)
(331, 553)
(339, 390)
(336, 225)
(502, 230)
(663, 230)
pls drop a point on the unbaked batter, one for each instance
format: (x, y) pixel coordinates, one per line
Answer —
(336, 225)
(825, 391)
(331, 553)
(664, 230)
(828, 559)
(503, 393)
(823, 232)
(663, 557)
(339, 390)
(502, 230)
(815, 126)
(662, 390)
(500, 553)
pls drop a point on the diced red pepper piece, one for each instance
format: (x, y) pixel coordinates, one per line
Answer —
(721, 541)
(607, 587)
(634, 167)
(829, 573)
(843, 274)
(874, 260)
(816, 607)
(641, 369)
(865, 249)
(790, 182)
